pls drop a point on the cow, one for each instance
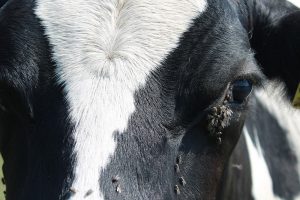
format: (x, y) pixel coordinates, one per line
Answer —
(139, 99)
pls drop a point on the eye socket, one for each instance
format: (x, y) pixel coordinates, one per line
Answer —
(240, 89)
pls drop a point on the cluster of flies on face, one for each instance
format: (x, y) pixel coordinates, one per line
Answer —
(114, 180)
(87, 194)
(181, 180)
(218, 118)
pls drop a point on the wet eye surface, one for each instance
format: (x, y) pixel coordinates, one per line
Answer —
(240, 90)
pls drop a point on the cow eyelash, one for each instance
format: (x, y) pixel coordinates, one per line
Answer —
(256, 79)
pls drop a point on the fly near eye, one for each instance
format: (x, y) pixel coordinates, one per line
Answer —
(241, 90)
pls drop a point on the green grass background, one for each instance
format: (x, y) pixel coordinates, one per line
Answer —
(2, 187)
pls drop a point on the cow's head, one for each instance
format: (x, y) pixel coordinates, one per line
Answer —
(133, 99)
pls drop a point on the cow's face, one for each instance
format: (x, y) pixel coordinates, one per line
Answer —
(124, 99)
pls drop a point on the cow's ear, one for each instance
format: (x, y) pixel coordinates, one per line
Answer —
(276, 42)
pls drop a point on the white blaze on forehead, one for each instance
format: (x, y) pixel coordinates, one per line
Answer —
(104, 50)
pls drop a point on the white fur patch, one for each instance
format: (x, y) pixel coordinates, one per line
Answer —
(287, 116)
(104, 50)
(295, 2)
(262, 185)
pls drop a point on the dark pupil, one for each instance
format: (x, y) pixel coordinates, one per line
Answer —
(241, 90)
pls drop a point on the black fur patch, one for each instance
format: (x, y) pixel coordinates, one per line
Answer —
(166, 152)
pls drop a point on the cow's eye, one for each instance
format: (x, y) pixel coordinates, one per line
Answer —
(240, 90)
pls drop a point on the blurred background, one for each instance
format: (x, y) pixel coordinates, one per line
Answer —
(2, 187)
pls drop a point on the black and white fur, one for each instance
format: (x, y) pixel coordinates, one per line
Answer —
(109, 99)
